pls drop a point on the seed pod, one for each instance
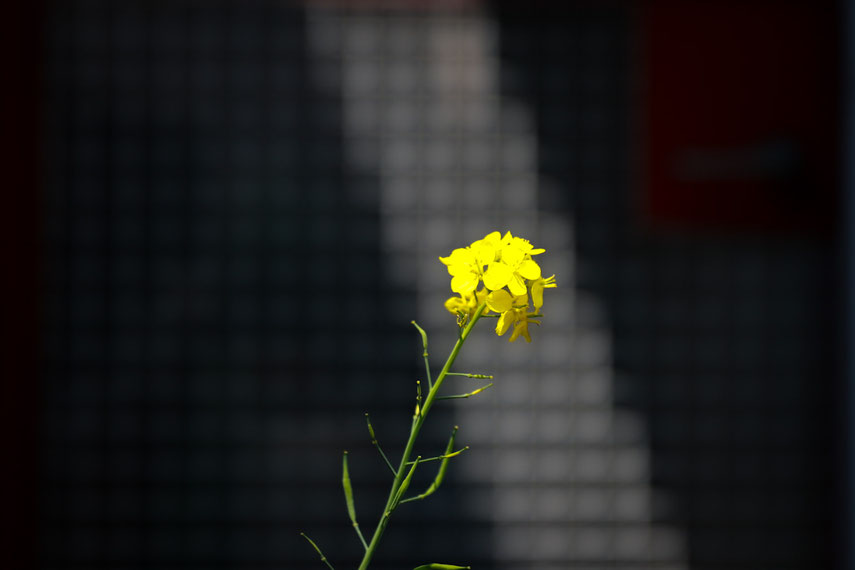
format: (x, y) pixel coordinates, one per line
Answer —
(348, 490)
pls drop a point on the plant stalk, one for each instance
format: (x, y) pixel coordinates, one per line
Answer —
(418, 421)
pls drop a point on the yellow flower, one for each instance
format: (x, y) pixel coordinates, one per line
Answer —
(514, 266)
(499, 261)
(519, 318)
(466, 264)
(465, 305)
(501, 301)
(464, 270)
(521, 327)
(537, 287)
(488, 249)
(514, 311)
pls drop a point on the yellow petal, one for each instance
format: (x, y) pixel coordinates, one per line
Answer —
(512, 256)
(461, 255)
(460, 269)
(516, 285)
(505, 321)
(465, 283)
(497, 275)
(529, 269)
(493, 237)
(480, 297)
(537, 294)
(523, 326)
(455, 304)
(537, 290)
(499, 301)
(449, 259)
(484, 252)
(520, 327)
(521, 243)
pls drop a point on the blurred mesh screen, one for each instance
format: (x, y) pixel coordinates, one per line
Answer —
(244, 204)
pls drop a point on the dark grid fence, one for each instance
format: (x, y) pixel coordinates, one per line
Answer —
(222, 306)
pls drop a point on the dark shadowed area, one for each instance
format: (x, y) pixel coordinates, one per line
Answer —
(229, 213)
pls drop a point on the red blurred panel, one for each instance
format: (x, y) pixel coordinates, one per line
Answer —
(20, 59)
(740, 114)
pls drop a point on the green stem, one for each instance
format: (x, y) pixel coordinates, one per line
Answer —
(418, 421)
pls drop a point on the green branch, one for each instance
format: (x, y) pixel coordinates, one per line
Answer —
(376, 444)
(443, 467)
(318, 550)
(402, 482)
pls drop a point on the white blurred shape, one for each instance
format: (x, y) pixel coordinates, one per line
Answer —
(455, 158)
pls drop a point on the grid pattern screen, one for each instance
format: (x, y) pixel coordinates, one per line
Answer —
(244, 203)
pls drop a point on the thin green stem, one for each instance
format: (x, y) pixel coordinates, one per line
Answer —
(376, 444)
(418, 421)
(318, 550)
(443, 456)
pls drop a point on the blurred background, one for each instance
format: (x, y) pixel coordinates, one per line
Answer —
(220, 217)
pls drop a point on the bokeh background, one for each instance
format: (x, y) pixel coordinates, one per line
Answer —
(224, 214)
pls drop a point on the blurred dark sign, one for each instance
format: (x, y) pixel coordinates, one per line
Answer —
(740, 114)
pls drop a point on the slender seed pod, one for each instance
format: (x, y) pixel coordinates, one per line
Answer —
(405, 484)
(348, 489)
(348, 498)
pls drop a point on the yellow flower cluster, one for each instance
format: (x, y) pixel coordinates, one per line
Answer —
(498, 262)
